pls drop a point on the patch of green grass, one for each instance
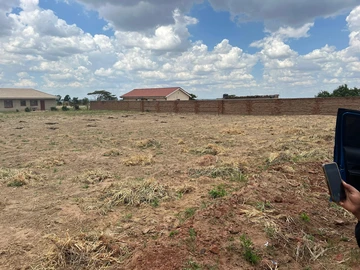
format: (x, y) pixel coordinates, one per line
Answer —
(305, 217)
(155, 202)
(16, 183)
(248, 251)
(262, 206)
(192, 265)
(270, 231)
(189, 212)
(192, 234)
(218, 192)
(128, 216)
(173, 233)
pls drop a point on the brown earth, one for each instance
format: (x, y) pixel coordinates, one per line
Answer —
(113, 190)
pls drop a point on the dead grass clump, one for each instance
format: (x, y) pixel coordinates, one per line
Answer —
(135, 193)
(210, 149)
(111, 153)
(47, 163)
(139, 160)
(295, 131)
(224, 172)
(18, 178)
(232, 131)
(314, 155)
(185, 190)
(147, 143)
(207, 160)
(279, 157)
(84, 252)
(93, 177)
(309, 249)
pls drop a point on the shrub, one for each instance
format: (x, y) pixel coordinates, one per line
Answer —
(54, 109)
(65, 108)
(218, 192)
(249, 254)
(27, 109)
(76, 107)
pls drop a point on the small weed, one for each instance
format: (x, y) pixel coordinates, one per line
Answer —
(344, 239)
(262, 206)
(191, 265)
(270, 231)
(189, 212)
(305, 217)
(192, 234)
(249, 254)
(155, 202)
(173, 233)
(128, 216)
(16, 183)
(218, 192)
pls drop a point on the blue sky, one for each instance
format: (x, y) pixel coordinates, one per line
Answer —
(243, 47)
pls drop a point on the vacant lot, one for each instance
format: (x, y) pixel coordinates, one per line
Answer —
(114, 190)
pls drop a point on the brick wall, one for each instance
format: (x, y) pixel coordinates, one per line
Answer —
(301, 106)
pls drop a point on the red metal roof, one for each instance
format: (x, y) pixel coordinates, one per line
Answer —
(153, 92)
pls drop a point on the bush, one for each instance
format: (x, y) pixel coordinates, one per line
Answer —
(76, 107)
(27, 109)
(65, 108)
(54, 109)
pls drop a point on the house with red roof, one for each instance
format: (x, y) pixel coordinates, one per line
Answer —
(157, 94)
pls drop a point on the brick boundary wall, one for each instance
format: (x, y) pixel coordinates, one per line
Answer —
(300, 106)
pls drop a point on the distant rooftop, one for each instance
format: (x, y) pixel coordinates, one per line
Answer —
(152, 92)
(24, 93)
(227, 96)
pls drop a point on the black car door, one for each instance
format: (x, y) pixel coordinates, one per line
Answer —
(347, 146)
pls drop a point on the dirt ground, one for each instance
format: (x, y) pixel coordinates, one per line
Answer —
(120, 190)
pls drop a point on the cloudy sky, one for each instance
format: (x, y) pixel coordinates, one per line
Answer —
(209, 47)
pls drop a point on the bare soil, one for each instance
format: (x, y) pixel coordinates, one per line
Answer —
(120, 190)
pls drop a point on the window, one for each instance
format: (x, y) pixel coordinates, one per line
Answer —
(8, 103)
(23, 103)
(33, 102)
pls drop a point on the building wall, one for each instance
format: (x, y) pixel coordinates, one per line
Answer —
(17, 105)
(303, 106)
(178, 95)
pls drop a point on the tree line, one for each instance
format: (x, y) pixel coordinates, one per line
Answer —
(341, 91)
(99, 95)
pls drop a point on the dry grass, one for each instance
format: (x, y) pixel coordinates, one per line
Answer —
(147, 143)
(139, 160)
(47, 162)
(135, 193)
(83, 252)
(232, 131)
(210, 149)
(94, 176)
(111, 153)
(144, 172)
(17, 178)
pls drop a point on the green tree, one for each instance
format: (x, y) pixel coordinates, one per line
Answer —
(102, 95)
(67, 99)
(86, 102)
(341, 91)
(192, 96)
(323, 94)
(58, 100)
